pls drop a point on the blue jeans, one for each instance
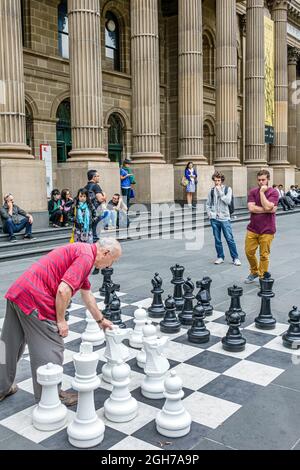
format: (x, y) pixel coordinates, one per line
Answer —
(11, 228)
(224, 226)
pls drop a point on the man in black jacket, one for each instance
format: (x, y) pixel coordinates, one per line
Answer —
(12, 222)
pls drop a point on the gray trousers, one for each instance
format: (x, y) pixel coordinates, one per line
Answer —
(43, 340)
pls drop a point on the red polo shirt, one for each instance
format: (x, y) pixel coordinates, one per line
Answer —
(36, 288)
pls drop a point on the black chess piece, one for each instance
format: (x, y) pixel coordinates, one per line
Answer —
(234, 340)
(107, 274)
(291, 338)
(198, 333)
(115, 312)
(186, 315)
(235, 293)
(110, 295)
(170, 324)
(157, 308)
(178, 282)
(265, 319)
(204, 296)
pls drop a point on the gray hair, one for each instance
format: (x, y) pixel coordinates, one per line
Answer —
(110, 244)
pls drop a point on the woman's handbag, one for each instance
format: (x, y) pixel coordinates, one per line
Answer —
(184, 182)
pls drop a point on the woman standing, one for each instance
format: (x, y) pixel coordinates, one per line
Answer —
(84, 216)
(191, 176)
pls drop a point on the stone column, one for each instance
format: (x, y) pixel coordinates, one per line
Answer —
(226, 92)
(145, 81)
(86, 81)
(190, 82)
(255, 85)
(18, 169)
(297, 175)
(293, 55)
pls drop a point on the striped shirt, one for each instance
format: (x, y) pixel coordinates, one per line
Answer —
(36, 288)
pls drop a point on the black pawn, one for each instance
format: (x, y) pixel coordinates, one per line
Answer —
(178, 282)
(234, 341)
(170, 324)
(107, 273)
(198, 333)
(186, 315)
(265, 319)
(115, 312)
(109, 291)
(157, 308)
(204, 296)
(235, 293)
(291, 338)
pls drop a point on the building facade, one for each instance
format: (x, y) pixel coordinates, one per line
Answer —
(162, 81)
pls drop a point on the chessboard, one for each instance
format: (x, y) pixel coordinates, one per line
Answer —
(216, 383)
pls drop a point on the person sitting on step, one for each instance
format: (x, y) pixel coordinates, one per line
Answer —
(12, 222)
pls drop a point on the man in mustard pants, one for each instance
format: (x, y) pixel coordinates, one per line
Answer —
(262, 204)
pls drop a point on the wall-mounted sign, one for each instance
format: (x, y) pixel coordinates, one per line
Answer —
(46, 156)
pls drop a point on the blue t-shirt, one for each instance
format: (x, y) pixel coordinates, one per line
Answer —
(125, 183)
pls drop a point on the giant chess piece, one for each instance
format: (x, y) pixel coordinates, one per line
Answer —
(234, 341)
(265, 319)
(150, 331)
(86, 430)
(173, 420)
(110, 295)
(156, 366)
(198, 333)
(140, 318)
(170, 324)
(107, 273)
(50, 414)
(204, 295)
(235, 293)
(93, 333)
(186, 315)
(291, 338)
(178, 282)
(115, 350)
(120, 407)
(115, 313)
(157, 308)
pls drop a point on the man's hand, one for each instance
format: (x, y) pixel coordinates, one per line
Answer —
(30, 219)
(63, 328)
(10, 206)
(263, 189)
(106, 324)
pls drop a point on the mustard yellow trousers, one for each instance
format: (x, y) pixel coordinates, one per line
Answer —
(252, 242)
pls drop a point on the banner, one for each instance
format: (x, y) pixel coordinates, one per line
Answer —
(269, 71)
(46, 156)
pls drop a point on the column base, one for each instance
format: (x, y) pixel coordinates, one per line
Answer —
(155, 183)
(73, 175)
(297, 177)
(236, 178)
(143, 158)
(204, 172)
(284, 176)
(93, 155)
(26, 180)
(252, 175)
(16, 151)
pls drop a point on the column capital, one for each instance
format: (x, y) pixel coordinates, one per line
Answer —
(293, 55)
(277, 4)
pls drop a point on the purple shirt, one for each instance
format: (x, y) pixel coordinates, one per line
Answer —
(262, 223)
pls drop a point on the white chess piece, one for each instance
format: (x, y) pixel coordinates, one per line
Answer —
(93, 333)
(140, 318)
(50, 414)
(120, 407)
(115, 350)
(86, 430)
(151, 332)
(173, 420)
(156, 367)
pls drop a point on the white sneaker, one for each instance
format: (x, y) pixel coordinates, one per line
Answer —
(237, 262)
(219, 261)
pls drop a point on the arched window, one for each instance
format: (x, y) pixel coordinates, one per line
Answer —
(209, 59)
(63, 131)
(209, 142)
(63, 29)
(115, 138)
(29, 128)
(112, 40)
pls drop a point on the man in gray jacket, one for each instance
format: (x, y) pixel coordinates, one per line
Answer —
(12, 222)
(217, 208)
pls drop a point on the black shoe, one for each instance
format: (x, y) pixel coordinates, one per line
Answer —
(96, 271)
(13, 239)
(29, 237)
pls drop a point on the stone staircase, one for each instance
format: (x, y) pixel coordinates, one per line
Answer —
(142, 225)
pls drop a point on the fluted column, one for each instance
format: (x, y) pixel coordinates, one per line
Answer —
(280, 147)
(12, 95)
(86, 80)
(145, 81)
(226, 72)
(298, 126)
(293, 55)
(255, 84)
(190, 82)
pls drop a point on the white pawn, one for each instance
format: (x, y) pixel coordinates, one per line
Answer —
(156, 367)
(150, 331)
(115, 350)
(120, 407)
(173, 420)
(140, 318)
(86, 430)
(93, 333)
(50, 414)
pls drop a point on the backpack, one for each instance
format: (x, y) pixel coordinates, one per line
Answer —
(231, 205)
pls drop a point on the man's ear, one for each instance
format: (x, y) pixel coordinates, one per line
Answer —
(106, 252)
